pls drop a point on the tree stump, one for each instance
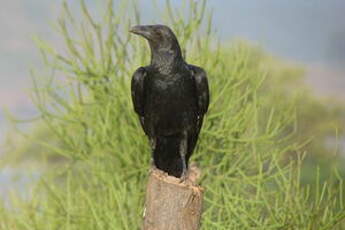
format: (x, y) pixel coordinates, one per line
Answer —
(171, 204)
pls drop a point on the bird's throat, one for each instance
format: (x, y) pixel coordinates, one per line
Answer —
(166, 61)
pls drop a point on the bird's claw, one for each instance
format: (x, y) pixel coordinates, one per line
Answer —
(183, 177)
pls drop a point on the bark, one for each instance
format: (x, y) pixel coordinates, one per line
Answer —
(171, 204)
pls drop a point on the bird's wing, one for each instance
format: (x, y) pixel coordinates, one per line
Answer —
(137, 90)
(203, 98)
(202, 90)
(138, 95)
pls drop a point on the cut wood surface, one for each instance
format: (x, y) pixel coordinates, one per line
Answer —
(172, 204)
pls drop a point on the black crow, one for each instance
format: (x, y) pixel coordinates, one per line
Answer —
(171, 98)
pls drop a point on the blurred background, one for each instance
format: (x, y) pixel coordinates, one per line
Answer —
(309, 33)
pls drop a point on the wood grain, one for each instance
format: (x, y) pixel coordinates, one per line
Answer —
(172, 204)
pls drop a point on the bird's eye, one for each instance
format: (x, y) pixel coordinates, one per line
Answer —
(158, 34)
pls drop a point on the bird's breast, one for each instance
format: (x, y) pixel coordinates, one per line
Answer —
(171, 91)
(170, 103)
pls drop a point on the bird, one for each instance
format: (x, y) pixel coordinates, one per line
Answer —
(171, 98)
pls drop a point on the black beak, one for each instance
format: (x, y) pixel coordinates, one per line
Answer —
(141, 30)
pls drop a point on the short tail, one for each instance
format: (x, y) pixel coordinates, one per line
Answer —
(166, 155)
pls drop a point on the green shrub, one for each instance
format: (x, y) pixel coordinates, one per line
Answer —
(86, 107)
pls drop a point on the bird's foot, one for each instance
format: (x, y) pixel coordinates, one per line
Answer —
(183, 177)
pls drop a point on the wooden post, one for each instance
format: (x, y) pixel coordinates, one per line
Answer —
(171, 204)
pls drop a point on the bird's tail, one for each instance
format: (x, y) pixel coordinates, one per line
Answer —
(166, 155)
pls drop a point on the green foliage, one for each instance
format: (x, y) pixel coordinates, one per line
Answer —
(86, 106)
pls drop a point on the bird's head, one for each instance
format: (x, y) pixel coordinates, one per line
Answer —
(160, 37)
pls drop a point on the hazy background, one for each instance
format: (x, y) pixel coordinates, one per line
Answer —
(311, 32)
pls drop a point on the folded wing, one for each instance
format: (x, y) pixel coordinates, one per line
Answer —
(138, 93)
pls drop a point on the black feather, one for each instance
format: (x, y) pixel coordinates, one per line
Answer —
(171, 99)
